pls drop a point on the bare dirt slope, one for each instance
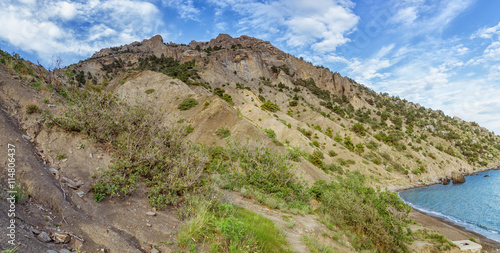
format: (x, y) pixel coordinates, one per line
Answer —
(59, 198)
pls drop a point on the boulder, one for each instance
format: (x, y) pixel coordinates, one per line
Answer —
(457, 177)
(446, 181)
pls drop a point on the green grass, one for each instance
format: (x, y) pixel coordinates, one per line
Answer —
(61, 156)
(315, 246)
(229, 228)
(11, 250)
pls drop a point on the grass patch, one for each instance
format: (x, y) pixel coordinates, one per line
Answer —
(315, 246)
(228, 228)
(223, 132)
(61, 156)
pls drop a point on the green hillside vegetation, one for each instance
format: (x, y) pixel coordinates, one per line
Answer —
(357, 141)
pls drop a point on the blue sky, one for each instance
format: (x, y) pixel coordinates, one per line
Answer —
(442, 54)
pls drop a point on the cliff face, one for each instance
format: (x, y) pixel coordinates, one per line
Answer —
(244, 59)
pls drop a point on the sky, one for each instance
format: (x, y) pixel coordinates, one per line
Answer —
(442, 54)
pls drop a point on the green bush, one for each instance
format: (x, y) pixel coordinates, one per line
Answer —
(263, 170)
(149, 91)
(270, 106)
(293, 103)
(332, 153)
(187, 104)
(379, 219)
(359, 129)
(270, 133)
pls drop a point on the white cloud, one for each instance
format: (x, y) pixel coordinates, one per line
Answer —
(417, 17)
(492, 52)
(320, 25)
(186, 8)
(50, 28)
(487, 32)
(405, 15)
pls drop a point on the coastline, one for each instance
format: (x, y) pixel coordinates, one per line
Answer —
(450, 230)
(438, 180)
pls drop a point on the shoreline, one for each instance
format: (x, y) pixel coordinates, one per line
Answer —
(450, 230)
(395, 188)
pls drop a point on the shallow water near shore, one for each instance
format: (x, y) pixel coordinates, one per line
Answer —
(474, 204)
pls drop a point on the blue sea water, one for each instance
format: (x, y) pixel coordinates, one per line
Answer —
(474, 204)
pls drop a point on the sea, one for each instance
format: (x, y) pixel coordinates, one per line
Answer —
(474, 204)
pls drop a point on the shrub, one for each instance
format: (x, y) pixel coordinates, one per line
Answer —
(293, 103)
(187, 104)
(270, 106)
(149, 91)
(270, 133)
(359, 129)
(263, 169)
(294, 154)
(332, 153)
(31, 108)
(143, 148)
(377, 218)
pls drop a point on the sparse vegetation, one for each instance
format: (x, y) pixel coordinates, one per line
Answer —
(32, 108)
(223, 132)
(142, 146)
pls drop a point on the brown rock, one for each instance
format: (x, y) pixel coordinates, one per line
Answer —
(446, 181)
(457, 177)
(61, 238)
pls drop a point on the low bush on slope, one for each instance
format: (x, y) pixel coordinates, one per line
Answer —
(142, 147)
(377, 219)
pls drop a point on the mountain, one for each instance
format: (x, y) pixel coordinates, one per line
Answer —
(235, 119)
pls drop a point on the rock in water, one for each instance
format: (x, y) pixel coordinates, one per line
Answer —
(457, 178)
(446, 181)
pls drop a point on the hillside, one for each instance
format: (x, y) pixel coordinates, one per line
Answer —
(232, 128)
(392, 141)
